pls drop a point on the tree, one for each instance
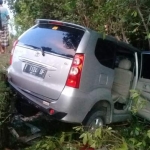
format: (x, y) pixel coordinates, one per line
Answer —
(127, 20)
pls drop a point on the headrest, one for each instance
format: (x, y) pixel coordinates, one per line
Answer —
(125, 64)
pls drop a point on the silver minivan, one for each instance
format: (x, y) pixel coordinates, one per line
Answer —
(74, 74)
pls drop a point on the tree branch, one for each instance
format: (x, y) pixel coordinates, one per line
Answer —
(143, 21)
(124, 36)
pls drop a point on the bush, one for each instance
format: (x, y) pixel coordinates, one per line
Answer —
(102, 138)
(4, 109)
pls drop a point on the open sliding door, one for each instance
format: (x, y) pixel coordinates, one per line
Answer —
(143, 84)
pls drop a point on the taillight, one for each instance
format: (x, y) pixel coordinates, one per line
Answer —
(12, 52)
(74, 76)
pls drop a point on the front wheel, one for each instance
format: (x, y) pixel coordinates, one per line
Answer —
(94, 120)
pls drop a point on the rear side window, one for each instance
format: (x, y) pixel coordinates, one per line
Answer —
(61, 40)
(105, 52)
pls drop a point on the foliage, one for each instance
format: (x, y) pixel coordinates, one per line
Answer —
(136, 134)
(4, 108)
(127, 20)
(101, 137)
(4, 98)
(137, 101)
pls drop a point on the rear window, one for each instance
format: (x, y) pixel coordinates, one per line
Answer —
(61, 40)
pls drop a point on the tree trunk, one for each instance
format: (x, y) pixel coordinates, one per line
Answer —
(143, 21)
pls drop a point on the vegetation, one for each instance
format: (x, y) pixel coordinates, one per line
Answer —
(132, 135)
(100, 138)
(4, 109)
(137, 101)
(127, 20)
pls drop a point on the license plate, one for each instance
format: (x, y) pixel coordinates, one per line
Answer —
(34, 70)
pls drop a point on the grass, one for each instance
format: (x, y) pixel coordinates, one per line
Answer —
(4, 58)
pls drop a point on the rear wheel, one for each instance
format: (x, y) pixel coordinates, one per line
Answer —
(94, 120)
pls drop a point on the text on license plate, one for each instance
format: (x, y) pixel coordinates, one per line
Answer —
(35, 70)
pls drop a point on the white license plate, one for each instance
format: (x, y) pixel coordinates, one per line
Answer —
(35, 70)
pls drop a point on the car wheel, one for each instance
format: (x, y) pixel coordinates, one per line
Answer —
(94, 120)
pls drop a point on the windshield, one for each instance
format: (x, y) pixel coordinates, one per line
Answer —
(51, 38)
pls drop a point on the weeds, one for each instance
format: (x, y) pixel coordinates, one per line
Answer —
(4, 109)
(137, 101)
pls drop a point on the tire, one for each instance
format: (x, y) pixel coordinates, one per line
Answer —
(94, 120)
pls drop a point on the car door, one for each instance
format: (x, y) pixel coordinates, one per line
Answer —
(143, 84)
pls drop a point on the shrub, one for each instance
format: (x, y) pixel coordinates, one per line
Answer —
(4, 109)
(87, 140)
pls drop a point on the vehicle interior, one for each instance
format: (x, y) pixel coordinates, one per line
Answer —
(122, 60)
(123, 77)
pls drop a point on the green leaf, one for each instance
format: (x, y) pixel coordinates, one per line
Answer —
(44, 145)
(79, 128)
(98, 133)
(85, 139)
(137, 132)
(139, 144)
(134, 13)
(62, 139)
(124, 145)
(133, 140)
(109, 128)
(82, 135)
(143, 143)
(38, 145)
(148, 36)
(93, 145)
(148, 18)
(134, 95)
(148, 133)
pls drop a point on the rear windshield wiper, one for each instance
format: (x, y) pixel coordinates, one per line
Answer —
(32, 46)
(42, 50)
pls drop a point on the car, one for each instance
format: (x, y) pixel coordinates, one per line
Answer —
(76, 75)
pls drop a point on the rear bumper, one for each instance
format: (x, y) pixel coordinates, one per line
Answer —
(37, 102)
(72, 105)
